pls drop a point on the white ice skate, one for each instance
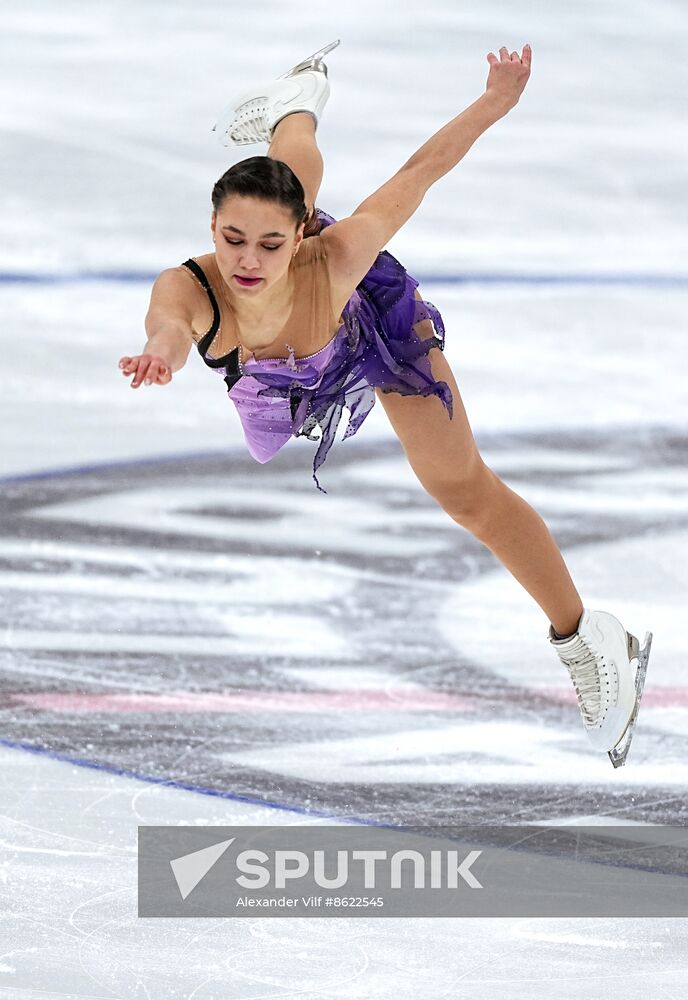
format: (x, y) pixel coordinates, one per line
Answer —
(252, 116)
(607, 667)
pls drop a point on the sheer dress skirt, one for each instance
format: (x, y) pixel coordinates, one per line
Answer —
(376, 347)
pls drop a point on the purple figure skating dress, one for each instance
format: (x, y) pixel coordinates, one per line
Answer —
(375, 345)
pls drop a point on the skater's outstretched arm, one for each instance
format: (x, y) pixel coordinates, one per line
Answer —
(354, 243)
(173, 314)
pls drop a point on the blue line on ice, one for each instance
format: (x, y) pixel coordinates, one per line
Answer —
(484, 278)
(185, 786)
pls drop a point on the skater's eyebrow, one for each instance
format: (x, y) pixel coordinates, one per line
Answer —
(235, 230)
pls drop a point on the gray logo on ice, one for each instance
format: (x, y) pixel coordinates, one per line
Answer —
(189, 869)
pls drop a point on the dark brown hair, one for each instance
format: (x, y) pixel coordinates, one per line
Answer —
(268, 179)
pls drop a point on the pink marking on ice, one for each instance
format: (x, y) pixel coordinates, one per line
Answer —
(400, 698)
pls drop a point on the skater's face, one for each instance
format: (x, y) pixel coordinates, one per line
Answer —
(255, 240)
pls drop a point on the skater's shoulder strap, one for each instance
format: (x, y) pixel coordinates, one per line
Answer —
(204, 343)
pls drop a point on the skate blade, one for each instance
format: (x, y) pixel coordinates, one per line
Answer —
(312, 62)
(618, 754)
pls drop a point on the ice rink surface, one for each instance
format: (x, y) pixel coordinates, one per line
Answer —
(191, 638)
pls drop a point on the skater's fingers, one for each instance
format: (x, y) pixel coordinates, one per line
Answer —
(149, 369)
(159, 373)
(141, 369)
(527, 56)
(128, 365)
(492, 58)
(507, 79)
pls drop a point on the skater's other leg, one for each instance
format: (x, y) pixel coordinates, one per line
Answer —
(294, 142)
(445, 458)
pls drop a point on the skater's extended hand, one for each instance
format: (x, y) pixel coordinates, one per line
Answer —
(150, 369)
(509, 74)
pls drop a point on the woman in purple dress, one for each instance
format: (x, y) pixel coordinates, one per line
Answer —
(304, 316)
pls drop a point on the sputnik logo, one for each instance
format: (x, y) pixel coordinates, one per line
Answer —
(189, 869)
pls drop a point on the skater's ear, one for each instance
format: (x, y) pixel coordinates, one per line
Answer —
(299, 233)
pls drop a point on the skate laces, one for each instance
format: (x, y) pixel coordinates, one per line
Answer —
(250, 124)
(582, 665)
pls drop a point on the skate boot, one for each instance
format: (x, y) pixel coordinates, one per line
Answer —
(607, 667)
(252, 116)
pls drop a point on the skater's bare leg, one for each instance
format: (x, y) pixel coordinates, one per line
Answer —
(293, 142)
(444, 456)
(521, 540)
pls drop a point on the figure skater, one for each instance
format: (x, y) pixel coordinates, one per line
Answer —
(303, 316)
